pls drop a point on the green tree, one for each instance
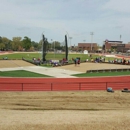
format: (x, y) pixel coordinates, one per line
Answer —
(2, 46)
(40, 45)
(26, 43)
(17, 44)
(49, 46)
(56, 45)
(5, 43)
(34, 45)
(0, 39)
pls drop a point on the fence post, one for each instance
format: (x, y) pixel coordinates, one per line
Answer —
(79, 86)
(22, 86)
(51, 87)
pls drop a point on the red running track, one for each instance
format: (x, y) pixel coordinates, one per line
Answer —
(63, 84)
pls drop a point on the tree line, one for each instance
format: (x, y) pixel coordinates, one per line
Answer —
(25, 44)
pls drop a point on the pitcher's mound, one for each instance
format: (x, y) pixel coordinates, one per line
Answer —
(14, 63)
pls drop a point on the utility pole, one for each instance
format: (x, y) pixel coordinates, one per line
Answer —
(91, 33)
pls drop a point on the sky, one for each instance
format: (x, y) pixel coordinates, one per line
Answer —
(78, 19)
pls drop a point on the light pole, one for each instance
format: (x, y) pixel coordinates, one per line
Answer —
(51, 43)
(70, 41)
(91, 33)
(120, 37)
(54, 49)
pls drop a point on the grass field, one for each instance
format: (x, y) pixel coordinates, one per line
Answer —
(97, 74)
(20, 73)
(23, 73)
(49, 56)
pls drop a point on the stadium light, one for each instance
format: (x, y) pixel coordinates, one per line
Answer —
(91, 33)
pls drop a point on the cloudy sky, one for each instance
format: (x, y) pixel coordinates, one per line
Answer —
(107, 19)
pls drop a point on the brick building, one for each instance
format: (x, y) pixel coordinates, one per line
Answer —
(116, 46)
(127, 46)
(108, 45)
(91, 47)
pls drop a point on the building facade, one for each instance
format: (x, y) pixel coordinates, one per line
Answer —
(90, 47)
(115, 46)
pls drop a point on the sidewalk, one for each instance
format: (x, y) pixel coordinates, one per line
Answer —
(55, 72)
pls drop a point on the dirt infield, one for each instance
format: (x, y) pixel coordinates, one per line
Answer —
(14, 63)
(83, 67)
(84, 110)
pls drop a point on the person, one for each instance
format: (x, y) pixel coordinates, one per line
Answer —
(74, 61)
(5, 58)
(34, 59)
(104, 59)
(115, 60)
(124, 62)
(121, 61)
(129, 61)
(78, 61)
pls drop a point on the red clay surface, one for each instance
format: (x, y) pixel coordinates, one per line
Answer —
(63, 84)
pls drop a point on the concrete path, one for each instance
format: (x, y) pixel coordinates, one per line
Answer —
(55, 72)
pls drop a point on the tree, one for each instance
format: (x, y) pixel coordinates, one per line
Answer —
(17, 44)
(0, 39)
(40, 45)
(34, 45)
(5, 43)
(49, 46)
(26, 43)
(2, 46)
(56, 45)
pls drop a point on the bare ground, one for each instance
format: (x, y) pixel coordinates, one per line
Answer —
(74, 110)
(14, 63)
(83, 67)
